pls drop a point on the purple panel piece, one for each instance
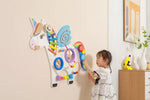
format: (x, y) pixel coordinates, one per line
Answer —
(73, 55)
(58, 78)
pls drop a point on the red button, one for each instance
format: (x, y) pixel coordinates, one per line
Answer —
(80, 48)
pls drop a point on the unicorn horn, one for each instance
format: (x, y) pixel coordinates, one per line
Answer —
(34, 23)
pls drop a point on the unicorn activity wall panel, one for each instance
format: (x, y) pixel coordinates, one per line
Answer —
(65, 59)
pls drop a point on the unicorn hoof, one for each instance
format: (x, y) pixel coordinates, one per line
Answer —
(70, 82)
(55, 85)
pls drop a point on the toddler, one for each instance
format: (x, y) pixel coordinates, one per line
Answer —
(103, 89)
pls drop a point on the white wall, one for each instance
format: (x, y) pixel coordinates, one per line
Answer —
(148, 15)
(119, 48)
(148, 26)
(24, 73)
(116, 44)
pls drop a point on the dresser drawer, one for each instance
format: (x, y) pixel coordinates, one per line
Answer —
(147, 99)
(147, 92)
(147, 78)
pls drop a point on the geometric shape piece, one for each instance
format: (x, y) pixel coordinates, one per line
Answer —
(52, 51)
(53, 39)
(61, 63)
(48, 37)
(73, 55)
(53, 47)
(52, 34)
(80, 48)
(63, 36)
(53, 43)
(74, 65)
(61, 50)
(70, 76)
(58, 78)
(82, 57)
(67, 77)
(62, 78)
(83, 51)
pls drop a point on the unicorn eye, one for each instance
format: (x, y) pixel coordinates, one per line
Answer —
(41, 36)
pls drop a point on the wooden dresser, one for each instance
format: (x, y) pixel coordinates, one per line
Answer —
(134, 85)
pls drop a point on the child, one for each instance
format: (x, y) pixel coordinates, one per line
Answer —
(103, 89)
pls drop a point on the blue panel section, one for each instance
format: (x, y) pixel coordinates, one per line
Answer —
(62, 63)
(63, 36)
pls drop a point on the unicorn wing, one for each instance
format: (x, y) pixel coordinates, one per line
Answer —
(63, 36)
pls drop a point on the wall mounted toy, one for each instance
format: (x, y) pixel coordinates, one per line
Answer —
(65, 58)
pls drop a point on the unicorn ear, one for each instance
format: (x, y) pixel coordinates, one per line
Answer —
(43, 21)
(34, 23)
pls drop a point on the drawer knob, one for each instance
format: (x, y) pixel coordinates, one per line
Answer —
(149, 78)
(149, 92)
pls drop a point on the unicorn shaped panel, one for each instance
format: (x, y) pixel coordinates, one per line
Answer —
(65, 58)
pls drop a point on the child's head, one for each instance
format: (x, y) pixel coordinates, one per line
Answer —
(103, 58)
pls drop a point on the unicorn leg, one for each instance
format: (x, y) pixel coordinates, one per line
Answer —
(53, 77)
(52, 71)
(70, 74)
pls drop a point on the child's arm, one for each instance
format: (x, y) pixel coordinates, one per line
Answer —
(90, 77)
(89, 70)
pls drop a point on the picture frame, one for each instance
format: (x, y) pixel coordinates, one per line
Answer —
(131, 20)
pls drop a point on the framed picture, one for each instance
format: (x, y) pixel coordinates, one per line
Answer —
(131, 25)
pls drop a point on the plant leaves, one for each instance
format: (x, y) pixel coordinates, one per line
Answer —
(140, 46)
(144, 32)
(145, 44)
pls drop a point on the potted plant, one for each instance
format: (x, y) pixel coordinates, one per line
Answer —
(142, 43)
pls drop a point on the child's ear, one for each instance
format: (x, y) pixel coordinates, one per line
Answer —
(106, 60)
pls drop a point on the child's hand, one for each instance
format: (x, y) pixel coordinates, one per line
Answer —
(91, 78)
(89, 70)
(85, 62)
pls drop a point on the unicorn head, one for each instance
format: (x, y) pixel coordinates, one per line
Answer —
(40, 35)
